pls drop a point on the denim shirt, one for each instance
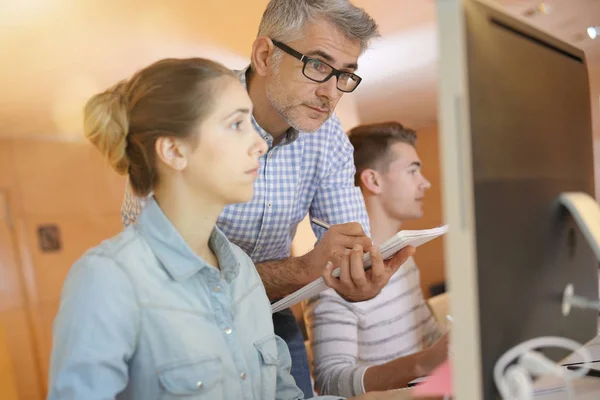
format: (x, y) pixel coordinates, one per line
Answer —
(143, 317)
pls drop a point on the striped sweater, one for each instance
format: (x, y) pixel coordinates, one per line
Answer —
(346, 338)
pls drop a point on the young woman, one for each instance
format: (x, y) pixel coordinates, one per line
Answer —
(169, 308)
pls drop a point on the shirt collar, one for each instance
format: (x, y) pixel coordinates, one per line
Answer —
(290, 135)
(174, 253)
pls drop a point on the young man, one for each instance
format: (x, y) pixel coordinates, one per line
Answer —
(302, 62)
(386, 342)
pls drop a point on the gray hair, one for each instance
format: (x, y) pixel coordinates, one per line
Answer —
(285, 20)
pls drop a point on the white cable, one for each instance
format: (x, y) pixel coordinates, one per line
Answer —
(538, 365)
(519, 382)
(514, 381)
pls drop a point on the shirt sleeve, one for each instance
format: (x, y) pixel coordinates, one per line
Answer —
(94, 333)
(332, 328)
(286, 386)
(337, 200)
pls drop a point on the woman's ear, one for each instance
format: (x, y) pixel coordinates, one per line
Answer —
(172, 152)
(371, 180)
(262, 48)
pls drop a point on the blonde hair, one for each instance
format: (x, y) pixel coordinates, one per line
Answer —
(106, 125)
(168, 98)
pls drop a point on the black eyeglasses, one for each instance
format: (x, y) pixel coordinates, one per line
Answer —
(319, 71)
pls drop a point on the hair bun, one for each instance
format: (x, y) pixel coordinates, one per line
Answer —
(106, 125)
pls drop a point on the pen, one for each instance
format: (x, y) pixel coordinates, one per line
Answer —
(320, 223)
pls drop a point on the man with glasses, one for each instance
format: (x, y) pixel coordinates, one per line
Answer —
(319, 71)
(302, 62)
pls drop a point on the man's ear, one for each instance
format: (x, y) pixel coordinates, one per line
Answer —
(371, 180)
(172, 152)
(262, 48)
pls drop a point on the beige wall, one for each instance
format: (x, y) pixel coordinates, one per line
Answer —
(8, 386)
(48, 182)
(17, 355)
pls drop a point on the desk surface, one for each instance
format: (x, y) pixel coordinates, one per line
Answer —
(554, 389)
(593, 347)
(588, 388)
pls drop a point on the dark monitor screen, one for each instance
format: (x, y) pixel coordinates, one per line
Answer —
(529, 125)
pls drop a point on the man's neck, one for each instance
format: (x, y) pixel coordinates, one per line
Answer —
(264, 113)
(382, 225)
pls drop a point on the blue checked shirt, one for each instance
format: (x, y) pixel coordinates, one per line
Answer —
(305, 173)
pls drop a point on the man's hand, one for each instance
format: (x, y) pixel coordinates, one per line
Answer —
(434, 355)
(356, 284)
(332, 247)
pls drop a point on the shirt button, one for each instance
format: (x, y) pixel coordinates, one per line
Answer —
(217, 289)
(199, 384)
(243, 376)
(269, 205)
(259, 248)
(228, 331)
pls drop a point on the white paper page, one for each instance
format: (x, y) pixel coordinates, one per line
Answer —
(390, 247)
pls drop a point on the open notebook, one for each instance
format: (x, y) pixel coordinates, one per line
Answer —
(388, 248)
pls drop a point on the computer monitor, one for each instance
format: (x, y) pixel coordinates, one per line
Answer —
(515, 131)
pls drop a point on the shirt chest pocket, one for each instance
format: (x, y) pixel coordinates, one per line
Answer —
(268, 358)
(192, 379)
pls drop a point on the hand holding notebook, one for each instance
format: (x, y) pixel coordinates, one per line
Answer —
(390, 247)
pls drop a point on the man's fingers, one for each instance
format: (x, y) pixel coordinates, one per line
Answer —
(345, 274)
(349, 229)
(328, 278)
(348, 235)
(357, 268)
(378, 273)
(350, 241)
(400, 258)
